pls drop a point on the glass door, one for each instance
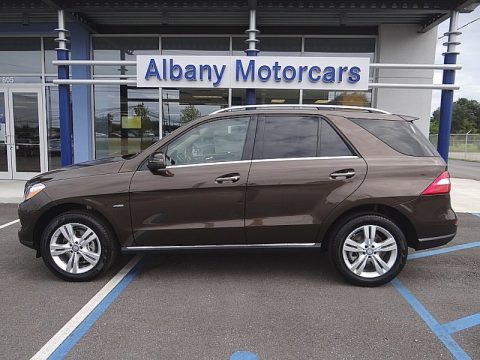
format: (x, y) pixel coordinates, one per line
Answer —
(5, 166)
(22, 135)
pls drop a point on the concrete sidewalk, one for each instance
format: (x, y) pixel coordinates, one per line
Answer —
(11, 191)
(465, 194)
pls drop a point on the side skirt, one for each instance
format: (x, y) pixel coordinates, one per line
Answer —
(139, 249)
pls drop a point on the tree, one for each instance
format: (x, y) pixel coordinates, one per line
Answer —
(189, 113)
(466, 117)
(351, 99)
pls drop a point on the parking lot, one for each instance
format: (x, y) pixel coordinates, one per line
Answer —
(247, 305)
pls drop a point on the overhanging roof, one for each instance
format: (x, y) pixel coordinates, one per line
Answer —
(110, 16)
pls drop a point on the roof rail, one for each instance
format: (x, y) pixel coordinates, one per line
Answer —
(300, 106)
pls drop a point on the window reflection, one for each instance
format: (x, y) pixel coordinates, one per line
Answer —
(126, 119)
(350, 98)
(53, 128)
(183, 105)
(267, 96)
(122, 48)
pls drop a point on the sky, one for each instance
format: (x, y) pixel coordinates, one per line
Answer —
(468, 77)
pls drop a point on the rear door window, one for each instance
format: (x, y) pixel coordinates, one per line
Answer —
(287, 137)
(298, 137)
(402, 136)
(331, 144)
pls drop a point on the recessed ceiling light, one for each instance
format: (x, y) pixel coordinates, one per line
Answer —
(207, 97)
(277, 101)
(321, 101)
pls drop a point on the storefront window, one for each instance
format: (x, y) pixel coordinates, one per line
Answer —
(53, 128)
(122, 48)
(350, 98)
(195, 45)
(126, 119)
(270, 46)
(340, 47)
(49, 46)
(267, 96)
(184, 105)
(346, 47)
(25, 48)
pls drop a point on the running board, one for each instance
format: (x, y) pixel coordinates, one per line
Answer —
(136, 249)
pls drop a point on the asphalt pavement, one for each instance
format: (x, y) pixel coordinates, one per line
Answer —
(275, 304)
(464, 169)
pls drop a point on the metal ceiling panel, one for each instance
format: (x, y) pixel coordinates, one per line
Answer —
(142, 13)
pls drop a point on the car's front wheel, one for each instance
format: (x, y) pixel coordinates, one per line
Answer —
(78, 246)
(369, 250)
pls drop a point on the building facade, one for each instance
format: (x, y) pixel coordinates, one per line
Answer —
(385, 32)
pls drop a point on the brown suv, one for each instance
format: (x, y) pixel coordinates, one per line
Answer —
(362, 183)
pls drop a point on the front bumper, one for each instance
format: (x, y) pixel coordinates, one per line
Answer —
(26, 238)
(29, 213)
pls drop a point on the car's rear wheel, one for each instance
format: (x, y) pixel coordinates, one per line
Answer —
(78, 246)
(369, 250)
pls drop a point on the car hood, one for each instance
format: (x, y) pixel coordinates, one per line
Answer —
(90, 168)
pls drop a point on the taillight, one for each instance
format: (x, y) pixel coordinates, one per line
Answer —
(441, 185)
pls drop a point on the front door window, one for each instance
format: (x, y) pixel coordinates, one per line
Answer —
(216, 141)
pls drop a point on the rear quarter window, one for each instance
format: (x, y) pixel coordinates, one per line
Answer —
(402, 136)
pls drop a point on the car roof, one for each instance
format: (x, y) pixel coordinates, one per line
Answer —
(350, 114)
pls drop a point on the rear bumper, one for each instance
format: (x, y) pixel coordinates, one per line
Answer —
(427, 243)
(433, 219)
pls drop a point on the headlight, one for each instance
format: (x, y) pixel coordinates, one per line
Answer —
(33, 190)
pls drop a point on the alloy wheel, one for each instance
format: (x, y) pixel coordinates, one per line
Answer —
(370, 251)
(75, 248)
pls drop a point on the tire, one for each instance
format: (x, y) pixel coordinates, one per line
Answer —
(362, 261)
(93, 255)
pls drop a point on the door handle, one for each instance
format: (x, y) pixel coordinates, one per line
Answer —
(343, 174)
(228, 178)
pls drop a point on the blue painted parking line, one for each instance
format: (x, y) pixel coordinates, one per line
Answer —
(444, 250)
(244, 355)
(440, 331)
(66, 346)
(462, 324)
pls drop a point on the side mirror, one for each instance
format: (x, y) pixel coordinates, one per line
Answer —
(156, 161)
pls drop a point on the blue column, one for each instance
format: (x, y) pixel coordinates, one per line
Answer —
(446, 104)
(65, 111)
(64, 107)
(250, 96)
(446, 108)
(81, 97)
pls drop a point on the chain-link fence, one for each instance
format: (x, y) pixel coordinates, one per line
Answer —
(462, 146)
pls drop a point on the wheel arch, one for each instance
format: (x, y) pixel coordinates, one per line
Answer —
(58, 209)
(374, 209)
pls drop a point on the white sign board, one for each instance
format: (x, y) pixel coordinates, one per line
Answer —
(267, 72)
